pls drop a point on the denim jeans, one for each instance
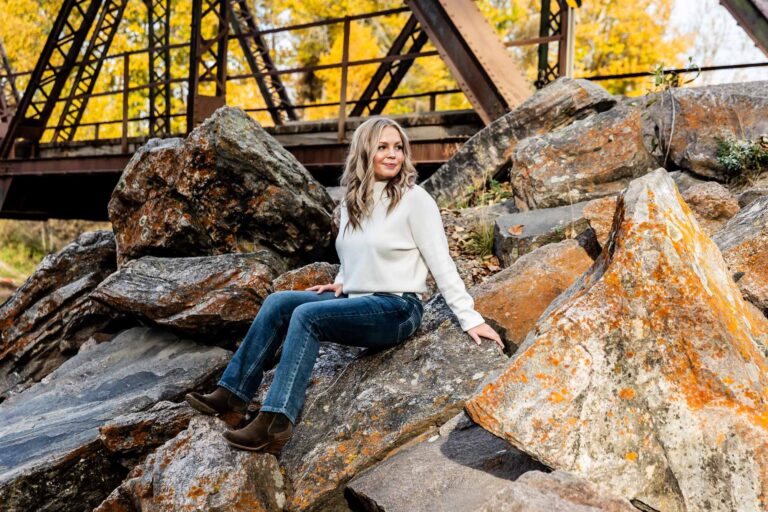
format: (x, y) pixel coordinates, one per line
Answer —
(306, 318)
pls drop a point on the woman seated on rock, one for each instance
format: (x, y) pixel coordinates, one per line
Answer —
(390, 234)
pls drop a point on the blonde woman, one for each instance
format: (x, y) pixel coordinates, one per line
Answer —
(390, 234)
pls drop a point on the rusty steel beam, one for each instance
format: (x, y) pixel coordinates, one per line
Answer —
(752, 16)
(260, 61)
(207, 59)
(100, 164)
(59, 54)
(478, 60)
(110, 14)
(159, 30)
(391, 73)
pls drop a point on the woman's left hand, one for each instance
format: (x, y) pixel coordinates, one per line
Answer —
(486, 331)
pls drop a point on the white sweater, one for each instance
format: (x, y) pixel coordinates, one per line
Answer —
(392, 253)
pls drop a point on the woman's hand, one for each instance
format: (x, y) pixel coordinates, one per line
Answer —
(336, 288)
(486, 331)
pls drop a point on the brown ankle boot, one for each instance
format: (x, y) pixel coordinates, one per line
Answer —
(222, 403)
(268, 433)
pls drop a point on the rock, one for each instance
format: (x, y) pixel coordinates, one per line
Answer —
(457, 469)
(592, 158)
(648, 375)
(198, 470)
(213, 298)
(744, 244)
(749, 195)
(52, 313)
(51, 457)
(487, 153)
(336, 194)
(685, 180)
(306, 277)
(138, 432)
(229, 187)
(712, 204)
(536, 491)
(517, 234)
(379, 403)
(702, 115)
(599, 214)
(516, 297)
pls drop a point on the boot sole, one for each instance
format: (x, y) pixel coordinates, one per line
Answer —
(233, 419)
(273, 447)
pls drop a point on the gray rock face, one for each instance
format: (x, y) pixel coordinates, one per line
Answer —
(701, 116)
(487, 154)
(457, 468)
(52, 314)
(214, 298)
(536, 491)
(51, 457)
(132, 435)
(229, 187)
(518, 234)
(198, 470)
(648, 376)
(585, 160)
(744, 244)
(377, 404)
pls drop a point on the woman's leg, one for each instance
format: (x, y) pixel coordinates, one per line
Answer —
(246, 369)
(374, 321)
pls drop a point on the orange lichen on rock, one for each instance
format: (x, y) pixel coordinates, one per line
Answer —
(661, 348)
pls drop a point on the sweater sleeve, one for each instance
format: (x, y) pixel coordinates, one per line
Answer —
(429, 234)
(340, 276)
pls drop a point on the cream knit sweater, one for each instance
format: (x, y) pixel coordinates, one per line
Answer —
(392, 253)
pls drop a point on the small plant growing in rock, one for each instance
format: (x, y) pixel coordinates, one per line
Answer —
(743, 160)
(489, 193)
(481, 239)
(665, 80)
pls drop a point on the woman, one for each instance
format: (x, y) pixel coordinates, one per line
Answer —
(390, 234)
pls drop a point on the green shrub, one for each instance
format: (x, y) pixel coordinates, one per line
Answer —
(743, 160)
(490, 193)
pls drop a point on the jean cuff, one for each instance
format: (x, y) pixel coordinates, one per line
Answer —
(281, 410)
(234, 391)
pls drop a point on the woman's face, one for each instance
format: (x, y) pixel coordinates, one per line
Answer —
(388, 159)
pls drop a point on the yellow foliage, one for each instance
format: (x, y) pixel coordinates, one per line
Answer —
(612, 37)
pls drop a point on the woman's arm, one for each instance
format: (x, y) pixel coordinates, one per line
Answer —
(428, 233)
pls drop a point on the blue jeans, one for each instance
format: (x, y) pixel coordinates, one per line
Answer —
(377, 321)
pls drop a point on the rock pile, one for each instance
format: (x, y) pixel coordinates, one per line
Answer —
(634, 374)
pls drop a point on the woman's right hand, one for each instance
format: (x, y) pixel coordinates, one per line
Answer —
(336, 288)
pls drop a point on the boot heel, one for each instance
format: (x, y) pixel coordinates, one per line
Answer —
(232, 418)
(276, 446)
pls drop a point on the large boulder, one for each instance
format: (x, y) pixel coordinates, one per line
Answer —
(214, 298)
(517, 234)
(519, 294)
(51, 456)
(744, 244)
(487, 154)
(306, 277)
(52, 313)
(228, 187)
(198, 470)
(682, 127)
(648, 376)
(457, 468)
(537, 491)
(585, 160)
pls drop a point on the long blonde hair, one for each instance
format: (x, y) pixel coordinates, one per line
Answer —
(358, 176)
